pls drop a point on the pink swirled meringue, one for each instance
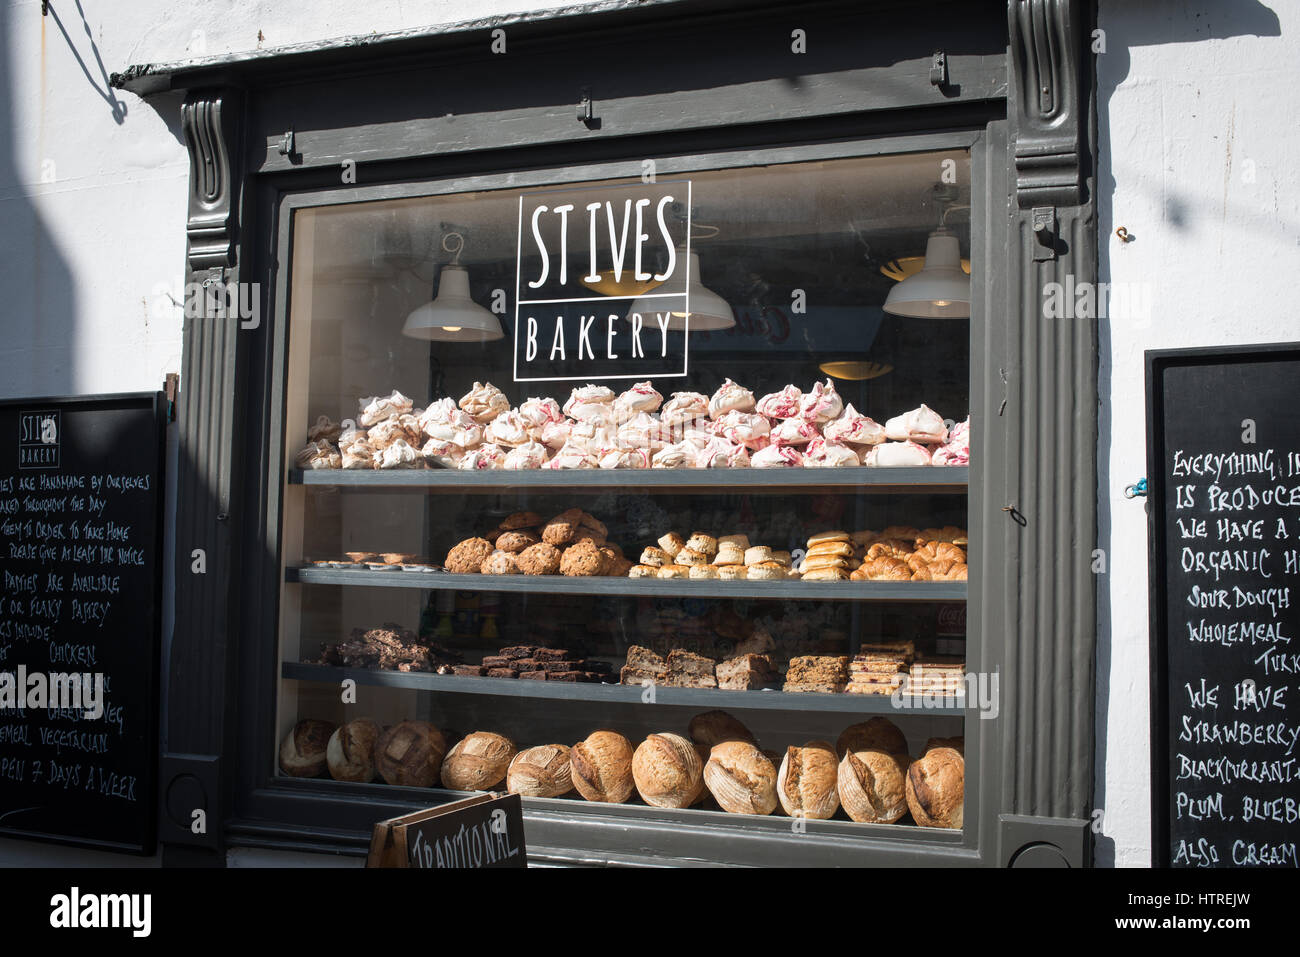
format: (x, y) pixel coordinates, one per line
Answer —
(357, 454)
(446, 455)
(508, 429)
(697, 438)
(642, 397)
(922, 424)
(854, 428)
(594, 434)
(385, 433)
(643, 431)
(555, 434)
(777, 457)
(956, 451)
(399, 455)
(484, 402)
(486, 456)
(730, 396)
(684, 407)
(625, 459)
(529, 455)
(721, 454)
(443, 421)
(377, 408)
(681, 455)
(539, 413)
(590, 401)
(744, 428)
(897, 455)
(794, 432)
(821, 454)
(822, 404)
(781, 405)
(573, 457)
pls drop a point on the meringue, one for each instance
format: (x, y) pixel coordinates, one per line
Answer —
(509, 429)
(776, 457)
(590, 401)
(443, 421)
(822, 404)
(684, 407)
(922, 424)
(555, 434)
(823, 454)
(855, 429)
(374, 410)
(399, 455)
(721, 454)
(485, 402)
(642, 431)
(744, 428)
(642, 397)
(325, 428)
(445, 455)
(794, 432)
(730, 396)
(573, 457)
(625, 459)
(956, 451)
(320, 454)
(529, 455)
(358, 455)
(897, 454)
(486, 456)
(539, 413)
(678, 456)
(781, 405)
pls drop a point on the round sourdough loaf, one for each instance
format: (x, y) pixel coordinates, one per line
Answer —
(541, 772)
(741, 778)
(710, 728)
(303, 751)
(872, 787)
(351, 751)
(602, 767)
(806, 785)
(936, 788)
(477, 762)
(958, 744)
(410, 754)
(667, 771)
(875, 734)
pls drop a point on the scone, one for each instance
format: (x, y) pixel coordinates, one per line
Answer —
(582, 559)
(500, 563)
(467, 557)
(539, 559)
(729, 555)
(656, 557)
(729, 573)
(521, 520)
(689, 556)
(736, 541)
(674, 571)
(703, 571)
(757, 554)
(643, 571)
(702, 543)
(765, 571)
(672, 543)
(516, 541)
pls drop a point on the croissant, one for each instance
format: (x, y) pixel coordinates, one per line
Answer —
(921, 573)
(957, 573)
(888, 569)
(890, 548)
(917, 561)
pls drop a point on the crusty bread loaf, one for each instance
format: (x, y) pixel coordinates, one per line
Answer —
(668, 771)
(741, 778)
(806, 785)
(872, 786)
(936, 788)
(350, 753)
(410, 754)
(303, 751)
(874, 734)
(602, 767)
(478, 762)
(958, 744)
(542, 771)
(710, 728)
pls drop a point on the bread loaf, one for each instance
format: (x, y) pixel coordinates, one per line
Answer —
(936, 788)
(602, 767)
(303, 751)
(875, 734)
(806, 785)
(410, 754)
(667, 771)
(478, 762)
(542, 771)
(741, 778)
(711, 728)
(351, 751)
(872, 787)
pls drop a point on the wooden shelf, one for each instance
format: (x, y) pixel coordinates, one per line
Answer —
(704, 698)
(635, 587)
(929, 481)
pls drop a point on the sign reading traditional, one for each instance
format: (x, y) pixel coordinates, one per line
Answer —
(486, 830)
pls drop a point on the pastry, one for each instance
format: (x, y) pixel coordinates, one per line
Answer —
(672, 543)
(831, 547)
(486, 456)
(765, 571)
(826, 575)
(702, 544)
(703, 572)
(756, 554)
(729, 555)
(814, 562)
(807, 782)
(746, 672)
(643, 665)
(872, 786)
(357, 455)
(732, 572)
(500, 563)
(304, 751)
(602, 767)
(741, 778)
(667, 771)
(515, 542)
(821, 405)
(689, 556)
(467, 557)
(643, 432)
(720, 453)
(562, 529)
(782, 557)
(853, 428)
(689, 670)
(319, 454)
(897, 455)
(508, 429)
(410, 754)
(730, 396)
(573, 456)
(734, 541)
(484, 402)
(656, 557)
(582, 559)
(936, 788)
(674, 571)
(587, 520)
(781, 405)
(325, 429)
(826, 674)
(832, 536)
(539, 559)
(682, 408)
(711, 728)
(350, 753)
(555, 435)
(643, 571)
(478, 761)
(588, 402)
(399, 455)
(542, 771)
(874, 734)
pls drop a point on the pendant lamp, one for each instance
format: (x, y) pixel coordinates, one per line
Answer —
(941, 289)
(709, 311)
(452, 316)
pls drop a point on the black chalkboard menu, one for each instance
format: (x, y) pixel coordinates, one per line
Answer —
(1223, 474)
(80, 559)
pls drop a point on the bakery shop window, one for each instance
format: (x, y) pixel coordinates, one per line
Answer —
(638, 493)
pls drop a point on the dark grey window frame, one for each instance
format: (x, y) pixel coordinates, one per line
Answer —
(1028, 114)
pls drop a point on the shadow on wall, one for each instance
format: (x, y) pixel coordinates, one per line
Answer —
(1130, 25)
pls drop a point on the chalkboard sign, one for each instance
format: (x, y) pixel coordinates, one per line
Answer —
(1223, 475)
(80, 549)
(486, 830)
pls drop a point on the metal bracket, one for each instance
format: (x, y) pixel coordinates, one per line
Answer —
(286, 143)
(586, 113)
(45, 8)
(939, 69)
(1044, 222)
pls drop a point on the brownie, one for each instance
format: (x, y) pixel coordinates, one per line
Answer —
(630, 675)
(495, 661)
(533, 675)
(562, 665)
(526, 664)
(552, 654)
(501, 672)
(639, 657)
(566, 676)
(518, 651)
(476, 670)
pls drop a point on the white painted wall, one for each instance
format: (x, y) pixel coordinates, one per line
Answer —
(1196, 98)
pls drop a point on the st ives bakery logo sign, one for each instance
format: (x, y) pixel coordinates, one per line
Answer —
(601, 283)
(38, 440)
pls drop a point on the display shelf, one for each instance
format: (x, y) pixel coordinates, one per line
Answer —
(635, 587)
(927, 480)
(706, 698)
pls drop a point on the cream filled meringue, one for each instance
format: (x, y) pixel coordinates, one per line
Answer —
(590, 401)
(508, 429)
(821, 454)
(529, 455)
(678, 456)
(325, 428)
(853, 428)
(642, 397)
(781, 405)
(897, 455)
(573, 457)
(684, 407)
(777, 457)
(445, 455)
(822, 404)
(399, 455)
(730, 396)
(377, 408)
(956, 451)
(484, 402)
(922, 424)
(486, 456)
(721, 454)
(794, 432)
(744, 428)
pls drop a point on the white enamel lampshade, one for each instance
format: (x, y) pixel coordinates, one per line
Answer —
(709, 311)
(453, 316)
(940, 290)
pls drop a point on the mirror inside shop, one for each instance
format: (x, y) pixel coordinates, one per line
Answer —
(648, 491)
